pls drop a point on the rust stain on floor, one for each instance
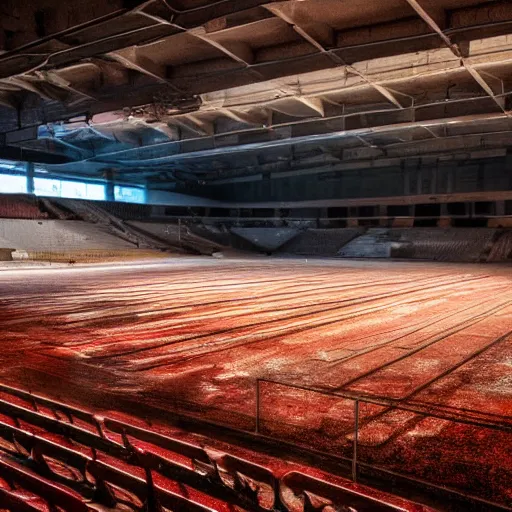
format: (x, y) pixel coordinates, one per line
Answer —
(194, 337)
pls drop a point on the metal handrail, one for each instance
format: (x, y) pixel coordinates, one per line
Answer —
(386, 402)
(157, 218)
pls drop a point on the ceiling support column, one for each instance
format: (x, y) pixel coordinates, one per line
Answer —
(29, 168)
(109, 186)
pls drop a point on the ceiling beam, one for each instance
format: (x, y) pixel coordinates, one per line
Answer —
(428, 18)
(391, 73)
(236, 50)
(301, 168)
(425, 114)
(434, 147)
(320, 35)
(315, 104)
(200, 122)
(193, 123)
(167, 155)
(312, 32)
(263, 118)
(19, 154)
(317, 32)
(435, 20)
(55, 79)
(33, 85)
(169, 131)
(500, 101)
(131, 58)
(182, 19)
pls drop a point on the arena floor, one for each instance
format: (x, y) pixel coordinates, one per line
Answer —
(425, 349)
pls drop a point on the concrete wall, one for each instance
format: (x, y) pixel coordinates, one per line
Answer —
(412, 178)
(320, 242)
(57, 235)
(66, 241)
(164, 197)
(178, 236)
(433, 244)
(266, 239)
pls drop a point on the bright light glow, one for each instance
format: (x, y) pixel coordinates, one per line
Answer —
(71, 189)
(80, 190)
(13, 184)
(47, 187)
(7, 165)
(129, 194)
(95, 191)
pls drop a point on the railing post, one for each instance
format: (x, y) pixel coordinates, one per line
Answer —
(356, 434)
(257, 429)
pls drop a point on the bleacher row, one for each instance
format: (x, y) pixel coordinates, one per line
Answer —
(20, 207)
(23, 206)
(115, 221)
(58, 457)
(430, 244)
(127, 210)
(320, 242)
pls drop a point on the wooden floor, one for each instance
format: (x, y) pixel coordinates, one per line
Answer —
(196, 334)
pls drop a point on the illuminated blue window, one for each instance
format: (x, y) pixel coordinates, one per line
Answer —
(72, 189)
(80, 190)
(7, 165)
(47, 187)
(12, 184)
(95, 191)
(50, 187)
(129, 194)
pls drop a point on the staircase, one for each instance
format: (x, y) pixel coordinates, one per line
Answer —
(375, 243)
(92, 213)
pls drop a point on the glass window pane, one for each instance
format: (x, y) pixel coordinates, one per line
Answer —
(95, 191)
(129, 194)
(47, 187)
(73, 189)
(7, 164)
(13, 184)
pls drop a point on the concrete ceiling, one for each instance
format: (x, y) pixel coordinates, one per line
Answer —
(170, 91)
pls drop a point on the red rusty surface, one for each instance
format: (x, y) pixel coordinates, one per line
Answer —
(195, 335)
(20, 207)
(51, 462)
